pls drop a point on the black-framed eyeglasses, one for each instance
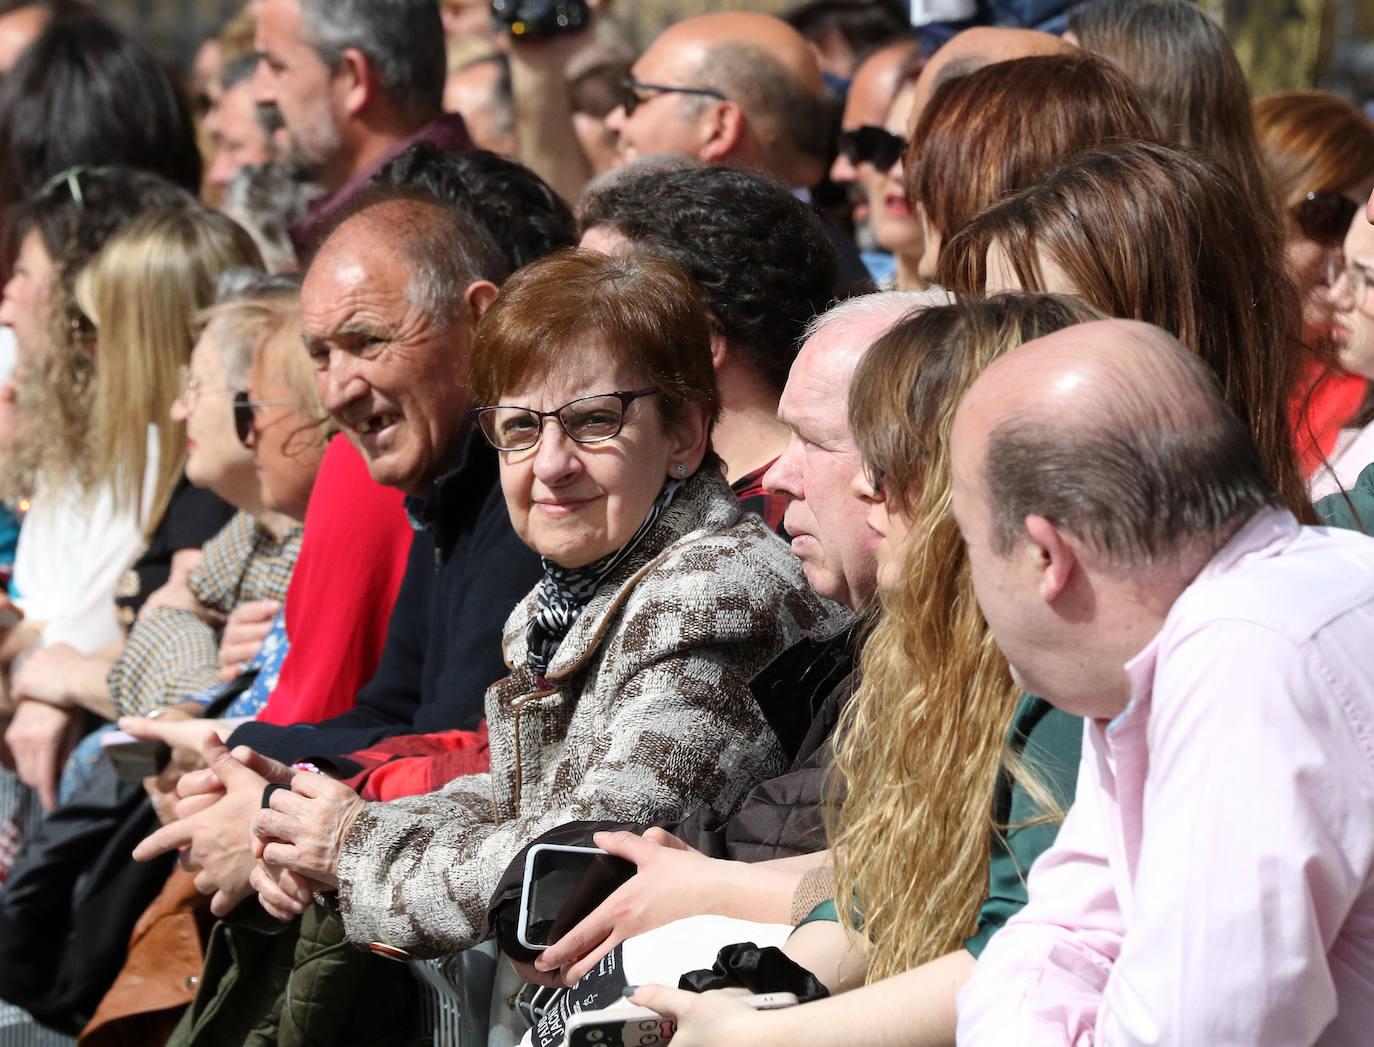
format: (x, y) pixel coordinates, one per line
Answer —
(245, 414)
(1325, 217)
(872, 145)
(586, 420)
(630, 100)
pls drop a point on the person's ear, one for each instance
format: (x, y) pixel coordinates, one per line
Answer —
(722, 131)
(1055, 558)
(355, 81)
(719, 348)
(479, 296)
(689, 439)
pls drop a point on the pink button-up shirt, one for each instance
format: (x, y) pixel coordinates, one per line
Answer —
(1213, 883)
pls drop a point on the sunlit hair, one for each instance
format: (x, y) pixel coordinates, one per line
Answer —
(249, 305)
(142, 293)
(1168, 236)
(923, 739)
(1186, 71)
(978, 139)
(279, 355)
(1313, 142)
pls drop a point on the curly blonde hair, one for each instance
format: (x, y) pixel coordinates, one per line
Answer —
(923, 740)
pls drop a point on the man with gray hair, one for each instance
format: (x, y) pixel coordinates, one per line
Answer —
(1214, 879)
(355, 82)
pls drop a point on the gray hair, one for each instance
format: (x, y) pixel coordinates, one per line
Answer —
(266, 200)
(1153, 467)
(240, 323)
(402, 39)
(889, 307)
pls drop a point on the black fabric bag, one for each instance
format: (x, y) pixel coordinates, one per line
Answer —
(746, 966)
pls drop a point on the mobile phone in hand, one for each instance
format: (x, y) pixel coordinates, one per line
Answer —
(641, 1027)
(135, 758)
(562, 887)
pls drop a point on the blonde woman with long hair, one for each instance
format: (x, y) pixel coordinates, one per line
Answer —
(140, 293)
(930, 745)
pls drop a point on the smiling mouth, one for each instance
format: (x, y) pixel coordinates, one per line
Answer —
(374, 424)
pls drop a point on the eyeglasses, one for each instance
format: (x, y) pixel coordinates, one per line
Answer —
(630, 100)
(245, 414)
(1358, 277)
(1325, 218)
(872, 145)
(587, 420)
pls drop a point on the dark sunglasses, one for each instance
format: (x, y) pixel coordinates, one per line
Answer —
(630, 100)
(872, 145)
(244, 414)
(1325, 218)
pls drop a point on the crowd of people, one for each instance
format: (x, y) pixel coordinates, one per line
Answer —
(904, 489)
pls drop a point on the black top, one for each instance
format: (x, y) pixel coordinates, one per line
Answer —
(193, 517)
(467, 571)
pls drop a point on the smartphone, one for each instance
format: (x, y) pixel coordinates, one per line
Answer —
(562, 886)
(642, 1027)
(134, 758)
(529, 19)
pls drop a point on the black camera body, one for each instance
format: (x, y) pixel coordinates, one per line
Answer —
(534, 18)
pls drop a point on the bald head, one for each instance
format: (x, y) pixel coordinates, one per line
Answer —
(984, 45)
(874, 83)
(1114, 433)
(756, 97)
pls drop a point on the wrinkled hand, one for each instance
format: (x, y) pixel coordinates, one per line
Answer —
(46, 675)
(244, 632)
(283, 893)
(706, 1019)
(214, 819)
(673, 881)
(303, 831)
(40, 738)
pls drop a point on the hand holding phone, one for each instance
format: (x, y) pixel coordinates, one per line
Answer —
(135, 758)
(641, 1027)
(562, 887)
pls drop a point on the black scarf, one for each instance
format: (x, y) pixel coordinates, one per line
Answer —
(564, 591)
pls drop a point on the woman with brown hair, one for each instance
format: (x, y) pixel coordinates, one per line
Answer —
(1187, 74)
(935, 786)
(978, 141)
(1164, 235)
(1320, 153)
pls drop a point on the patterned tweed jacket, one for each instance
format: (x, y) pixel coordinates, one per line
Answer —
(648, 715)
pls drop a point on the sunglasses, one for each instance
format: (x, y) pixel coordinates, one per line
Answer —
(872, 145)
(630, 99)
(1325, 218)
(245, 414)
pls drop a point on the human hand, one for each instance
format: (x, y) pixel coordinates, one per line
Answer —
(40, 738)
(304, 830)
(673, 881)
(244, 632)
(213, 830)
(707, 1019)
(46, 675)
(283, 893)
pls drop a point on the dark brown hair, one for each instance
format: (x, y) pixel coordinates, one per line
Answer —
(1187, 74)
(1313, 142)
(640, 312)
(996, 130)
(1164, 235)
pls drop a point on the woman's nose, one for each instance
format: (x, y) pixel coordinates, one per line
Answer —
(556, 455)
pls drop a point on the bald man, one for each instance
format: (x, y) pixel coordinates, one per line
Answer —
(1213, 882)
(974, 48)
(729, 88)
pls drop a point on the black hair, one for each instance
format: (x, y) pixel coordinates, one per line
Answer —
(760, 256)
(524, 216)
(86, 93)
(865, 25)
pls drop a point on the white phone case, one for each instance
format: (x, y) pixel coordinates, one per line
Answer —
(522, 928)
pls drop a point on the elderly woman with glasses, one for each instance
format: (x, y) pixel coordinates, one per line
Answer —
(627, 697)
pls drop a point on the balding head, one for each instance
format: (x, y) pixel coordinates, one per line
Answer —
(974, 48)
(1116, 434)
(755, 100)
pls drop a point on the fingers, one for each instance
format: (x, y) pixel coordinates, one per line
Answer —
(269, 825)
(200, 783)
(230, 770)
(285, 901)
(529, 973)
(625, 845)
(578, 971)
(255, 611)
(227, 899)
(272, 770)
(671, 1003)
(664, 838)
(140, 727)
(169, 838)
(594, 929)
(193, 805)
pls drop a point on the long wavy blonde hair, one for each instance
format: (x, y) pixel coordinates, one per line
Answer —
(923, 740)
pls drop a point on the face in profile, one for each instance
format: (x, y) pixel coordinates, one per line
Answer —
(662, 121)
(1353, 331)
(28, 298)
(293, 77)
(287, 443)
(571, 502)
(889, 528)
(214, 456)
(818, 470)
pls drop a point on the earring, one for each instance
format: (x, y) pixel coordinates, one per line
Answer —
(680, 471)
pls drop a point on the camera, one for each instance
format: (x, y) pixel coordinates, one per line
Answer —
(534, 18)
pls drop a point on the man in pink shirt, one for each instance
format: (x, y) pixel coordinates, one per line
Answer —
(1213, 882)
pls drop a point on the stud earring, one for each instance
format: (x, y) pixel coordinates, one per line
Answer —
(680, 471)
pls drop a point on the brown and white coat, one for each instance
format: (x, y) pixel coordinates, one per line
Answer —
(647, 716)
